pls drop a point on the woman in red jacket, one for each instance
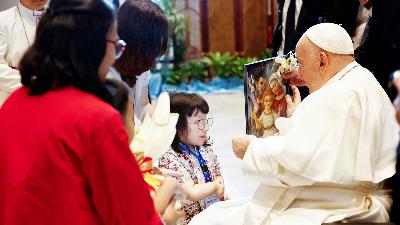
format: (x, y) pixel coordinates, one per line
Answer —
(64, 151)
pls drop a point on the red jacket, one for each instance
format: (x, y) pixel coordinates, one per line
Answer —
(64, 159)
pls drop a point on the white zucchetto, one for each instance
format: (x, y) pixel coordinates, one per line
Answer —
(331, 37)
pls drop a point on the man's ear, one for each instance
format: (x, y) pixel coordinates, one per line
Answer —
(323, 61)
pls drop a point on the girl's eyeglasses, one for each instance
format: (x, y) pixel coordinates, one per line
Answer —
(202, 123)
(119, 47)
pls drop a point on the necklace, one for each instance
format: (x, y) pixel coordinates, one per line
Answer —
(200, 159)
(23, 24)
(350, 69)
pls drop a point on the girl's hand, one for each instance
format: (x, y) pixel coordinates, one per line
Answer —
(219, 182)
(171, 215)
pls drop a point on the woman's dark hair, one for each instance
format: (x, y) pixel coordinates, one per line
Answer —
(186, 105)
(144, 27)
(69, 47)
(119, 95)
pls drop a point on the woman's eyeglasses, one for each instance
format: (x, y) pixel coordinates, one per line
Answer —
(202, 123)
(119, 47)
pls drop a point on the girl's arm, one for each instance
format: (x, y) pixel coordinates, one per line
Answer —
(164, 194)
(196, 192)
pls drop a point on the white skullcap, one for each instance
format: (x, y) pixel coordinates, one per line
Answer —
(331, 37)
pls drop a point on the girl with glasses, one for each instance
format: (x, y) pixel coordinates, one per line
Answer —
(192, 156)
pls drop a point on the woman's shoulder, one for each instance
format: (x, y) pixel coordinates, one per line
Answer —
(170, 154)
(168, 159)
(85, 106)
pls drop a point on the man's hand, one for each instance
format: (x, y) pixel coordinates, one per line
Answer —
(294, 78)
(292, 101)
(240, 144)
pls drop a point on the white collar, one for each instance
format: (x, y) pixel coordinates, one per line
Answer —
(342, 72)
(26, 12)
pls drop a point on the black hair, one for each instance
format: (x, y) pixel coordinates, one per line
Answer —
(186, 105)
(144, 27)
(69, 47)
(119, 95)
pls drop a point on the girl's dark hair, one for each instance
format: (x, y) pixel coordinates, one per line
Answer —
(186, 105)
(119, 95)
(69, 47)
(144, 27)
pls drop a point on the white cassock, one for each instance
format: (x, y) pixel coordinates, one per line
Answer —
(327, 165)
(17, 33)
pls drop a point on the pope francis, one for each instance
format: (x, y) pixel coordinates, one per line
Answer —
(332, 156)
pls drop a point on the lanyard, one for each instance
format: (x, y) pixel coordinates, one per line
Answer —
(200, 159)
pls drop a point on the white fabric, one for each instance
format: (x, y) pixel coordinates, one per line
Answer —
(155, 135)
(13, 45)
(139, 93)
(331, 37)
(328, 163)
(299, 4)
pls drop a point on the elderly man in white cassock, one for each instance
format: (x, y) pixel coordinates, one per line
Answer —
(17, 32)
(332, 156)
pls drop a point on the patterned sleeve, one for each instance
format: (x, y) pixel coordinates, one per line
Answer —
(171, 162)
(216, 168)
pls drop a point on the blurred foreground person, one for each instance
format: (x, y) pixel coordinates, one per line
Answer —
(65, 155)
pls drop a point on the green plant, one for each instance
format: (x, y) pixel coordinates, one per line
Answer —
(220, 64)
(175, 77)
(195, 70)
(176, 18)
(238, 65)
(177, 27)
(266, 53)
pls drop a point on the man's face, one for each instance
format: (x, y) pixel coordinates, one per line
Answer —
(34, 4)
(308, 63)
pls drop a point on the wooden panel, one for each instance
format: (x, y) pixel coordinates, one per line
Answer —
(275, 13)
(193, 32)
(221, 26)
(270, 21)
(238, 25)
(205, 41)
(255, 26)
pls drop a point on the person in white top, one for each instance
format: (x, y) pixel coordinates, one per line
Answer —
(144, 27)
(332, 156)
(17, 32)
